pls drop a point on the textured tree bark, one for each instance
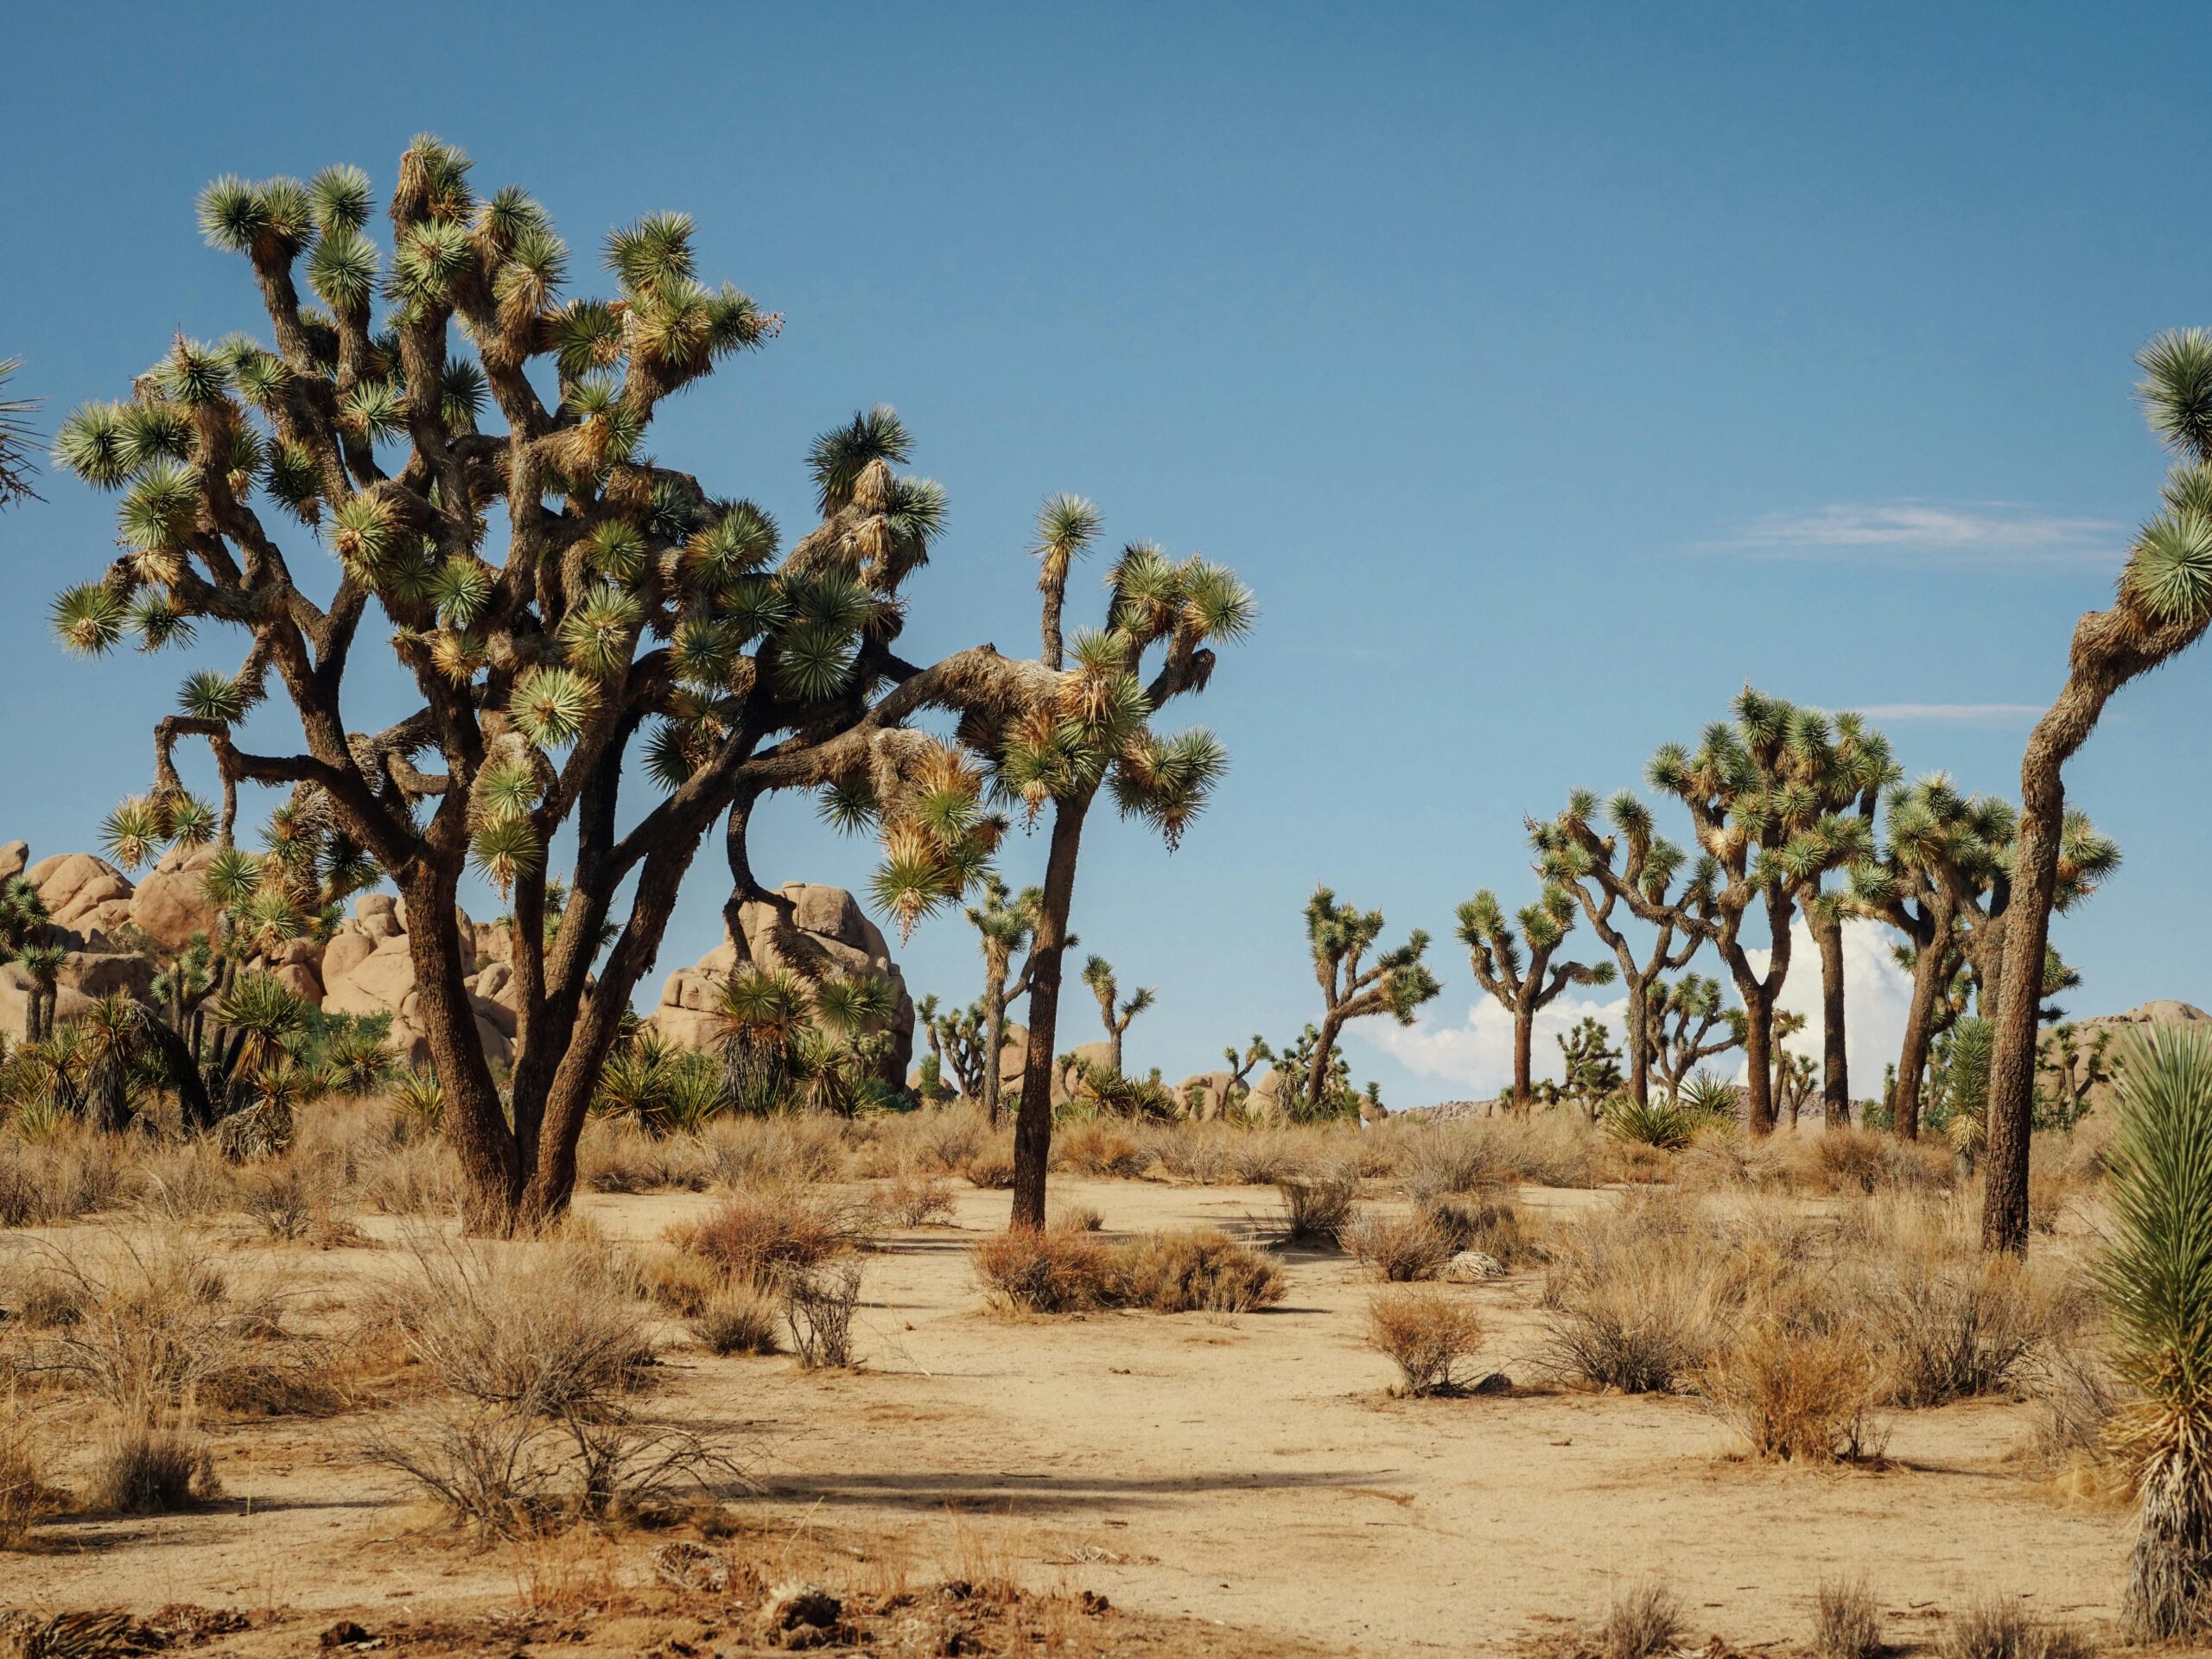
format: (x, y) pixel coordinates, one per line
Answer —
(1835, 1072)
(994, 1042)
(1912, 1055)
(1639, 1042)
(1758, 1053)
(476, 1126)
(1317, 1073)
(1524, 1034)
(1032, 1124)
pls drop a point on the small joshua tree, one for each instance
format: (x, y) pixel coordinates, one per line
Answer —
(1003, 927)
(1098, 973)
(955, 1038)
(1525, 985)
(2157, 1279)
(1574, 856)
(1396, 982)
(1683, 1017)
(2162, 607)
(1590, 1065)
(2076, 1067)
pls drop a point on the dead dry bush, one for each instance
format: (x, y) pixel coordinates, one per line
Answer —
(150, 1462)
(1798, 1390)
(914, 1199)
(1846, 1160)
(737, 1319)
(1398, 1249)
(1999, 1627)
(1317, 1207)
(1426, 1331)
(546, 1328)
(1492, 1227)
(1955, 1322)
(756, 1234)
(1632, 1298)
(61, 1176)
(1103, 1149)
(1645, 1622)
(1847, 1621)
(1198, 1153)
(182, 1182)
(796, 1148)
(1461, 1155)
(615, 1157)
(417, 1179)
(991, 1165)
(1198, 1270)
(942, 1141)
(1060, 1270)
(26, 1496)
(818, 1305)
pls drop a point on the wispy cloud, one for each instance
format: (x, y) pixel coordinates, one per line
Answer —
(1995, 532)
(1954, 714)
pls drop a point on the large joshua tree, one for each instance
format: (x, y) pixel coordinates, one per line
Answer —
(2162, 607)
(1759, 789)
(1087, 727)
(473, 462)
(1632, 870)
(1115, 1011)
(1396, 982)
(1525, 985)
(1683, 1015)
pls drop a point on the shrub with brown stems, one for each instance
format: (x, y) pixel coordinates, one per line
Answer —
(991, 1165)
(757, 1233)
(1198, 1270)
(818, 1304)
(1317, 1206)
(619, 1157)
(914, 1199)
(1059, 1269)
(61, 1176)
(1797, 1390)
(1101, 1149)
(944, 1139)
(1426, 1331)
(1957, 1323)
(1632, 1300)
(1399, 1248)
(414, 1179)
(793, 1149)
(1847, 1621)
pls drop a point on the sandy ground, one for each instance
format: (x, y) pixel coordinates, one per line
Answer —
(1251, 1470)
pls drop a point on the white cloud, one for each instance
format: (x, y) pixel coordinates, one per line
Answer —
(1992, 531)
(1954, 714)
(1474, 1053)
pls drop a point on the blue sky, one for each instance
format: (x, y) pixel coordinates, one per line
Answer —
(1549, 371)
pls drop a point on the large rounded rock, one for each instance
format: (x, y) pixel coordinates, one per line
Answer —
(71, 883)
(171, 904)
(15, 859)
(98, 974)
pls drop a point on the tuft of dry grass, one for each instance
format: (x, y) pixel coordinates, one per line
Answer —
(1631, 1299)
(1398, 1249)
(147, 1462)
(26, 1496)
(991, 1165)
(1847, 1621)
(1997, 1627)
(1645, 1621)
(1426, 1331)
(1104, 1149)
(759, 1152)
(61, 1176)
(618, 1157)
(420, 1178)
(915, 1199)
(736, 1321)
(1797, 1392)
(1957, 1323)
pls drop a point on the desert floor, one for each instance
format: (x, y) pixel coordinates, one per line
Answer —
(1241, 1483)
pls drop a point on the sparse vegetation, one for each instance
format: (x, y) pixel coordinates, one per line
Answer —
(1426, 1332)
(1847, 1621)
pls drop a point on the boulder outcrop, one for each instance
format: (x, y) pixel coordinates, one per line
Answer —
(813, 930)
(364, 969)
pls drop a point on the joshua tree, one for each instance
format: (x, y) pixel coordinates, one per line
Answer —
(1003, 927)
(1396, 982)
(2075, 1068)
(1590, 1065)
(2157, 1279)
(16, 439)
(958, 1038)
(1760, 791)
(1856, 768)
(560, 602)
(43, 962)
(1574, 856)
(1525, 986)
(1098, 973)
(1984, 910)
(795, 1043)
(1088, 727)
(1683, 1016)
(2162, 607)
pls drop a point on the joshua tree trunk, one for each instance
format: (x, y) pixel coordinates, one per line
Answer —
(1639, 1042)
(1524, 1036)
(1032, 1124)
(1758, 1051)
(1835, 1074)
(1929, 971)
(491, 1164)
(994, 1042)
(1317, 1073)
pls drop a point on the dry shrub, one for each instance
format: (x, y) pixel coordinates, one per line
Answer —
(297, 1201)
(1398, 1249)
(754, 1235)
(1955, 1322)
(1997, 1627)
(752, 1152)
(1058, 1270)
(2081, 1395)
(1847, 1621)
(678, 1280)
(26, 1498)
(1645, 1622)
(61, 1176)
(1074, 1217)
(1200, 1270)
(149, 1463)
(1198, 1153)
(1318, 1205)
(420, 1178)
(1798, 1391)
(1104, 1149)
(1426, 1331)
(540, 1329)
(944, 1139)
(617, 1157)
(1843, 1160)
(1494, 1228)
(1439, 1160)
(991, 1165)
(186, 1181)
(737, 1320)
(913, 1199)
(1631, 1298)
(818, 1307)
(1435, 1160)
(1262, 1157)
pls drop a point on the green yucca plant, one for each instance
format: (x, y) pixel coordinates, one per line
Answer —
(2156, 1278)
(1660, 1123)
